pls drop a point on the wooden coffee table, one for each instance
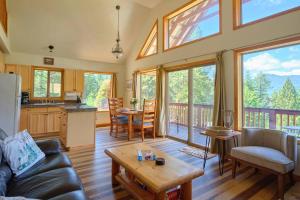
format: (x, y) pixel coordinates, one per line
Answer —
(158, 179)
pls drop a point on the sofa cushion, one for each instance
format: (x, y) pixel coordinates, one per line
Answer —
(50, 162)
(264, 157)
(75, 195)
(5, 176)
(49, 146)
(46, 185)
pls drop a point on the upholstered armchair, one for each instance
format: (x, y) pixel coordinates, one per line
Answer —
(270, 150)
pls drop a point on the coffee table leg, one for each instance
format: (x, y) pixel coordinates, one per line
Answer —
(187, 190)
(115, 170)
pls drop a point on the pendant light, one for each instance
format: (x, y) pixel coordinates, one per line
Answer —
(117, 50)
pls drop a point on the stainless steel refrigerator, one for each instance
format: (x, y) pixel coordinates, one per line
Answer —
(10, 102)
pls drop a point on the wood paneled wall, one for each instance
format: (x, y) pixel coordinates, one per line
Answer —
(3, 14)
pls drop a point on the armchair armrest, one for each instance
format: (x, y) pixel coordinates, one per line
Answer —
(49, 146)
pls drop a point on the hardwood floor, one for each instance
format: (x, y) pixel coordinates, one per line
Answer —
(94, 169)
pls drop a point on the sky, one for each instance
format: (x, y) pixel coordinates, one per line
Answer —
(284, 61)
(257, 9)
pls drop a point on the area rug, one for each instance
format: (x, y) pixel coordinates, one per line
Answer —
(199, 153)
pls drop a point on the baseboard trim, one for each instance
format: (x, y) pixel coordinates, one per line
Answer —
(90, 146)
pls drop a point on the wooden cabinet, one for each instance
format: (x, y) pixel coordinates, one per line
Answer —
(24, 71)
(41, 122)
(73, 80)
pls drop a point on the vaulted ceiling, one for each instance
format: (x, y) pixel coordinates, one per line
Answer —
(80, 29)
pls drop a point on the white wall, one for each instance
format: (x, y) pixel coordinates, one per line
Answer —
(276, 28)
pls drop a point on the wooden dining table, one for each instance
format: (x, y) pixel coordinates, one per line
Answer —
(130, 114)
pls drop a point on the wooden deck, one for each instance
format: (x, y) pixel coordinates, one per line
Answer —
(94, 169)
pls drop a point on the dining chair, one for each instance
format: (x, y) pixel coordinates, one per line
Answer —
(148, 118)
(117, 121)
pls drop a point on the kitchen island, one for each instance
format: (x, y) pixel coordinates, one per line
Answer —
(74, 124)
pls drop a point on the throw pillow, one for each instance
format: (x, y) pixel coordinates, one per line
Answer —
(21, 152)
(3, 134)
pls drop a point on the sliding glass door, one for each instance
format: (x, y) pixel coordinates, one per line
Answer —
(190, 102)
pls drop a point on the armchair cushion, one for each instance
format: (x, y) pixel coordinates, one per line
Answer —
(264, 157)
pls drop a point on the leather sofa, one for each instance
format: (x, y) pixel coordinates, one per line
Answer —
(270, 150)
(51, 178)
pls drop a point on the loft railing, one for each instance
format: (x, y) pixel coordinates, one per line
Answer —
(253, 117)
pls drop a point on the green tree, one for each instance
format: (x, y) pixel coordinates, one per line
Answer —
(286, 97)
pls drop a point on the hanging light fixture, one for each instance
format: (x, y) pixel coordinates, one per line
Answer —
(117, 50)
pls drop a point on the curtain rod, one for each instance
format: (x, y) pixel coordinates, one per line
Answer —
(232, 49)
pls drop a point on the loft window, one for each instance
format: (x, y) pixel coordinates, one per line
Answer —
(197, 20)
(150, 45)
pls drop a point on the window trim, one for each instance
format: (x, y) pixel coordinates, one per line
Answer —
(48, 83)
(238, 73)
(179, 10)
(237, 15)
(111, 84)
(148, 41)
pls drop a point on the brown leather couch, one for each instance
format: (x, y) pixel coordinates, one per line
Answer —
(51, 178)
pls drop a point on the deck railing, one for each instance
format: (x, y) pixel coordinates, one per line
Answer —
(253, 117)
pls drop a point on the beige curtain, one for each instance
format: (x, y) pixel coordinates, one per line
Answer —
(220, 98)
(161, 100)
(114, 86)
(134, 84)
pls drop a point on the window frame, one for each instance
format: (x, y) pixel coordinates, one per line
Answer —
(61, 70)
(111, 85)
(237, 15)
(238, 74)
(148, 41)
(176, 12)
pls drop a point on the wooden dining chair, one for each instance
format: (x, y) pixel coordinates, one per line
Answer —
(116, 121)
(148, 118)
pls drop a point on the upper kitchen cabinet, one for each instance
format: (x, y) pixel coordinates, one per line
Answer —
(73, 80)
(24, 71)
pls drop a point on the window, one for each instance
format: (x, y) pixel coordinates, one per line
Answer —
(271, 88)
(255, 10)
(150, 46)
(190, 94)
(97, 89)
(47, 83)
(197, 20)
(146, 86)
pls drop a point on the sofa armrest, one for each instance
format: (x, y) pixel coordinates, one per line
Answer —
(49, 146)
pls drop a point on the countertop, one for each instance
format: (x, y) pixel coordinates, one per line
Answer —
(69, 107)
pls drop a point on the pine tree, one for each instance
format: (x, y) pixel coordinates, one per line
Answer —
(286, 97)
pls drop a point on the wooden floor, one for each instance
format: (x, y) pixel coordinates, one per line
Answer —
(94, 169)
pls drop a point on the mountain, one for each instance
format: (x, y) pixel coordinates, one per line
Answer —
(278, 81)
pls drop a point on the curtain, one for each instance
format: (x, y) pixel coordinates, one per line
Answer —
(220, 98)
(114, 86)
(134, 84)
(161, 100)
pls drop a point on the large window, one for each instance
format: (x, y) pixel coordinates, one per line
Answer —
(197, 20)
(47, 83)
(190, 94)
(254, 10)
(146, 86)
(97, 90)
(271, 88)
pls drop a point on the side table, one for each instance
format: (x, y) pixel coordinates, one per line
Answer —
(221, 152)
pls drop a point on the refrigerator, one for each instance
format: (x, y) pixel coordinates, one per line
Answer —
(10, 102)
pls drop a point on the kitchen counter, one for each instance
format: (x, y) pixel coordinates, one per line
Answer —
(69, 107)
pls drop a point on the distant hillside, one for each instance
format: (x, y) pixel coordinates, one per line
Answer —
(278, 81)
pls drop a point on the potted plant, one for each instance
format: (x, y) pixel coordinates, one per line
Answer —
(133, 103)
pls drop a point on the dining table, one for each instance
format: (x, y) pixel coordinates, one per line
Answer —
(130, 113)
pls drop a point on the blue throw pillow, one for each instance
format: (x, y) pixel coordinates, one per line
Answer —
(21, 152)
